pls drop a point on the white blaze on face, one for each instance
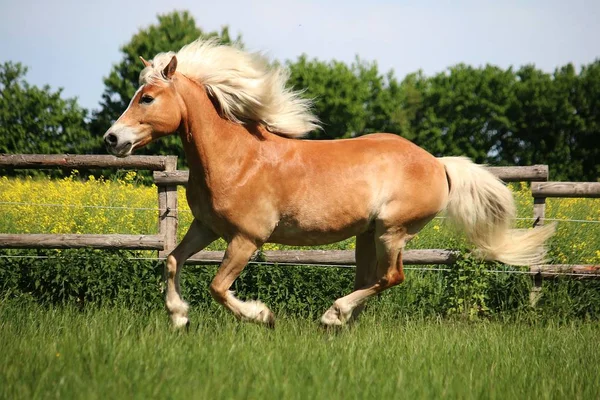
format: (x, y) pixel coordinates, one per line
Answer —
(121, 138)
(133, 98)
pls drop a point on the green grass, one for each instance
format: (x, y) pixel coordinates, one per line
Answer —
(122, 353)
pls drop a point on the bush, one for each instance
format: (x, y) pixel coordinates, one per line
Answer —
(90, 278)
(81, 277)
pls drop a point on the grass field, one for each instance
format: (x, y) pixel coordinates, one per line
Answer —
(120, 353)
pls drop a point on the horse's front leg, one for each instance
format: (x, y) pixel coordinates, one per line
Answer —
(239, 251)
(197, 237)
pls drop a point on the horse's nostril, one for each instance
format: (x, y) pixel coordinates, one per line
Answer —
(111, 139)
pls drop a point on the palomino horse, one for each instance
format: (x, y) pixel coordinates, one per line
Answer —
(252, 181)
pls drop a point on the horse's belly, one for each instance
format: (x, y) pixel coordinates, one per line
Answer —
(318, 231)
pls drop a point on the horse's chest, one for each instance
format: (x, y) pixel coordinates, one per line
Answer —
(205, 206)
(227, 211)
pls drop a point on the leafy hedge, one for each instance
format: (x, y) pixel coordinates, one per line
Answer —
(92, 278)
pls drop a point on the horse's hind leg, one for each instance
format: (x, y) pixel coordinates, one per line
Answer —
(389, 272)
(197, 237)
(366, 264)
(236, 257)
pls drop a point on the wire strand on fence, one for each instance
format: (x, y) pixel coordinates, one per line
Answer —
(17, 203)
(288, 264)
(593, 221)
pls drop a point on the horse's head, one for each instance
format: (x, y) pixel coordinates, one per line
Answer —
(154, 111)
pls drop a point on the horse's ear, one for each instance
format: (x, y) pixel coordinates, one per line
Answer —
(146, 63)
(169, 70)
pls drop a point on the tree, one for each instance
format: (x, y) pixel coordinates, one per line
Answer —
(460, 111)
(542, 118)
(173, 31)
(349, 100)
(586, 106)
(555, 119)
(37, 120)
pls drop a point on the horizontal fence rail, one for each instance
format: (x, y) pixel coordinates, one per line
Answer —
(38, 161)
(532, 173)
(77, 241)
(558, 270)
(566, 189)
(328, 257)
(335, 258)
(171, 178)
(507, 174)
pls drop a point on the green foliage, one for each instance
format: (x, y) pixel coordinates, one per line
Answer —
(81, 277)
(546, 122)
(566, 299)
(38, 120)
(295, 289)
(173, 31)
(509, 117)
(467, 285)
(91, 278)
(349, 100)
(463, 112)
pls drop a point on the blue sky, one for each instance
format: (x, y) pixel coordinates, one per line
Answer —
(73, 44)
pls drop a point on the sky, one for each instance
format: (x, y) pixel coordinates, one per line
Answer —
(72, 44)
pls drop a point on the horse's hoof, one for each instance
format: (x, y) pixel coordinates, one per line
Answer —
(331, 318)
(180, 322)
(268, 319)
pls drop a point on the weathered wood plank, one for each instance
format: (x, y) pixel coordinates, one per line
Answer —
(557, 270)
(521, 174)
(328, 257)
(566, 189)
(169, 217)
(507, 174)
(13, 161)
(539, 210)
(179, 177)
(68, 241)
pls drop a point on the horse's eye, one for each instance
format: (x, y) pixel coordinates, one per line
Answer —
(146, 99)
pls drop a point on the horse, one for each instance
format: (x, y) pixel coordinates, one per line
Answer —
(254, 180)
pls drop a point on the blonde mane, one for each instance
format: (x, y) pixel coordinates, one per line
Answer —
(246, 87)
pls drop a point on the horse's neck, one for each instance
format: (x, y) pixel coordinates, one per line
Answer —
(214, 146)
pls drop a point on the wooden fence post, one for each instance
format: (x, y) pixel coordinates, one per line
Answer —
(539, 214)
(539, 211)
(168, 215)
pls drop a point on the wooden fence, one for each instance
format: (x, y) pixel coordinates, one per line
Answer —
(164, 241)
(167, 178)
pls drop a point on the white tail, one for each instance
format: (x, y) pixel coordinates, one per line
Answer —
(481, 204)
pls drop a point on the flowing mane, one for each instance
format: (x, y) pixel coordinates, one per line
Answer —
(246, 87)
